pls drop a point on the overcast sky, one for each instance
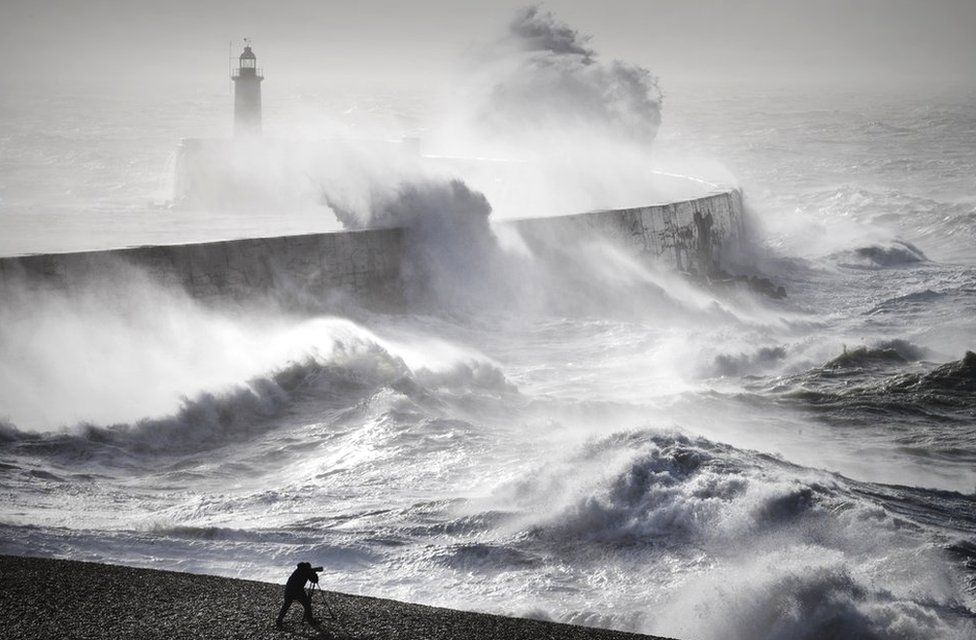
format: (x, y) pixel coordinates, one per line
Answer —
(129, 43)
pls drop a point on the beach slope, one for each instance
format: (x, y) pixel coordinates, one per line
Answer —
(45, 598)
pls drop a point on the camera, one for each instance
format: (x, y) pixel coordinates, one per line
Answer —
(316, 569)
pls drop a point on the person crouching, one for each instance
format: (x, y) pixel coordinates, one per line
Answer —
(295, 590)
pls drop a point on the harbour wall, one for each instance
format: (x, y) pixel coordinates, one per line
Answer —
(691, 235)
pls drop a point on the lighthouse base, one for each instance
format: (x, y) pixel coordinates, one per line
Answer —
(253, 173)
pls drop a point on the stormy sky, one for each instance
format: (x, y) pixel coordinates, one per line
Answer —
(137, 43)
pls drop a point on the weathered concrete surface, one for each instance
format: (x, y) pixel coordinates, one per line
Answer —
(687, 236)
(357, 261)
(691, 235)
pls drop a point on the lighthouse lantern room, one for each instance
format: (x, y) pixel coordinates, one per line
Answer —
(247, 93)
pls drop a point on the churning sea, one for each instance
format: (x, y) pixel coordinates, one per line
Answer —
(692, 462)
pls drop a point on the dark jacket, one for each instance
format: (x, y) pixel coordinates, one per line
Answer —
(296, 583)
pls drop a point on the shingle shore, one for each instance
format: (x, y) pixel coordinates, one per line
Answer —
(50, 599)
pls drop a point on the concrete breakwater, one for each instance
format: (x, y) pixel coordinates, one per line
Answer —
(691, 235)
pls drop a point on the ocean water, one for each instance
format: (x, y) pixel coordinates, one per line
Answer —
(615, 446)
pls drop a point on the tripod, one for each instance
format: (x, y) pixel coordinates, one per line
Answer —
(325, 600)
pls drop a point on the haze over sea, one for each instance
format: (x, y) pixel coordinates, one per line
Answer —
(667, 459)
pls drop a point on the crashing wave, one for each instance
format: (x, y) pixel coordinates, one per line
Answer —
(946, 387)
(779, 549)
(957, 377)
(884, 353)
(897, 253)
(742, 363)
(350, 374)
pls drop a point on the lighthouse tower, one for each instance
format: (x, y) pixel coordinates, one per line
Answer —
(247, 94)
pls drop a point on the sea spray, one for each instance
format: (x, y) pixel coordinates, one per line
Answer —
(125, 349)
(544, 84)
(566, 130)
(451, 254)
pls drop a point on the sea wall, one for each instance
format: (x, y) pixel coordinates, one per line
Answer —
(357, 261)
(691, 235)
(688, 236)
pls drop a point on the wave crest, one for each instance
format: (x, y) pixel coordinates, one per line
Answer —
(349, 371)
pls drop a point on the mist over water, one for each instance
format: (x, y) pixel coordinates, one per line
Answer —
(595, 441)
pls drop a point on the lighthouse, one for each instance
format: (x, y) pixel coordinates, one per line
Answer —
(247, 93)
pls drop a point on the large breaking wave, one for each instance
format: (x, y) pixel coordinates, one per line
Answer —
(782, 551)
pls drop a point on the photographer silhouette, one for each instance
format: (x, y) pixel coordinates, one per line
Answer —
(295, 590)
